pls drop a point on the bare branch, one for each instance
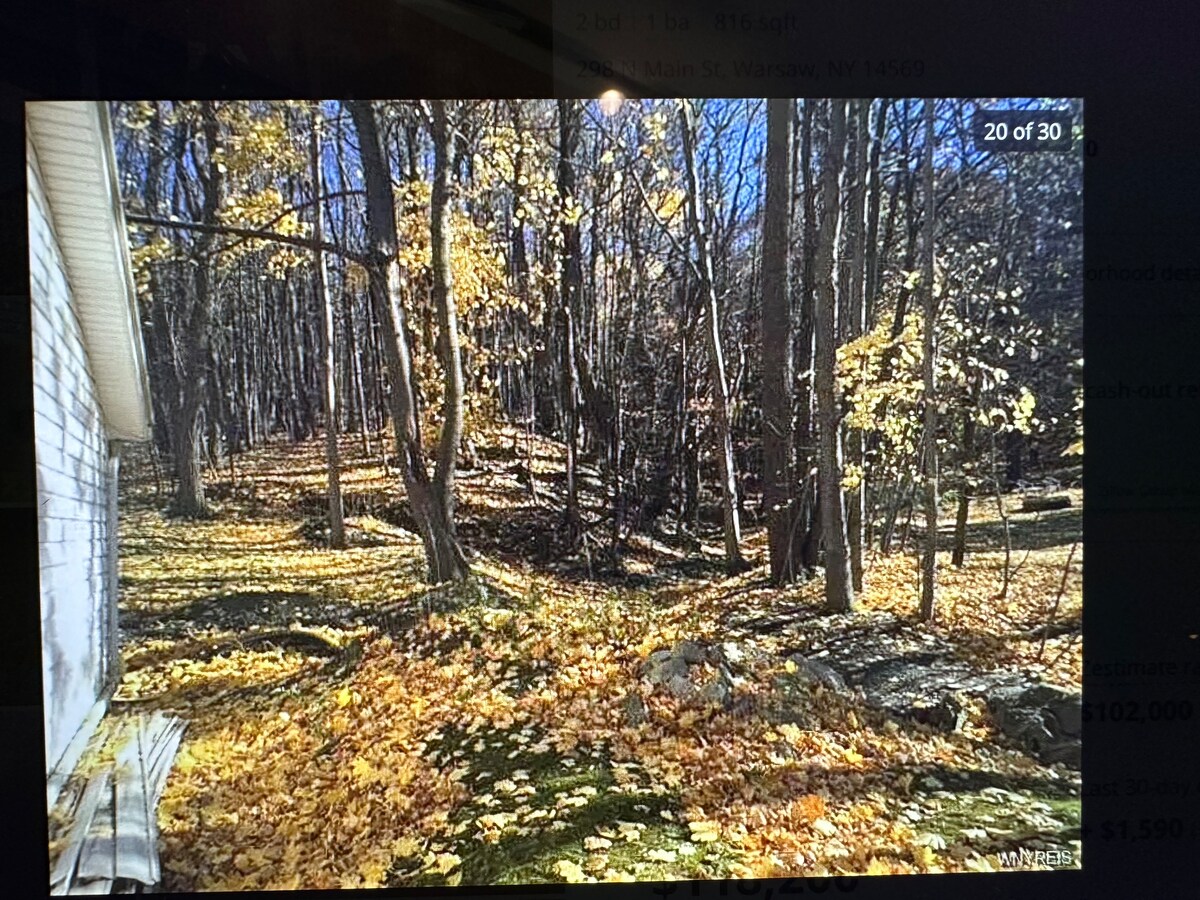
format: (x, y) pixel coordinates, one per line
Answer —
(248, 234)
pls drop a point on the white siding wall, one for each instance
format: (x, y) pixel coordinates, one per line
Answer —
(75, 480)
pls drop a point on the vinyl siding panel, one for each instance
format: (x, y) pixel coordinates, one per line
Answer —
(75, 479)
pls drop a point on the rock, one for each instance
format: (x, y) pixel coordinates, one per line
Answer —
(716, 693)
(738, 658)
(664, 669)
(681, 687)
(1044, 720)
(635, 710)
(1071, 476)
(813, 672)
(679, 671)
(691, 652)
(744, 706)
(824, 827)
(944, 714)
(1067, 716)
(1045, 502)
(961, 852)
(732, 653)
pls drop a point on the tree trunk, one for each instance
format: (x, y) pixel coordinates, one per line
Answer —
(720, 386)
(1014, 458)
(910, 225)
(806, 538)
(449, 562)
(929, 466)
(839, 591)
(189, 499)
(357, 349)
(189, 493)
(874, 202)
(571, 275)
(777, 345)
(443, 554)
(964, 488)
(337, 526)
(857, 162)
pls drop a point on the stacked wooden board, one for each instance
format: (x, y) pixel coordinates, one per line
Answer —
(112, 841)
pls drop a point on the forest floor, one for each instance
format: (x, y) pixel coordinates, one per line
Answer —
(350, 727)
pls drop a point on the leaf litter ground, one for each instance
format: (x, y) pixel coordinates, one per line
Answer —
(351, 728)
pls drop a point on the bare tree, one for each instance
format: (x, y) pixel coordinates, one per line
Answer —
(855, 308)
(777, 344)
(337, 525)
(571, 277)
(839, 591)
(720, 384)
(929, 458)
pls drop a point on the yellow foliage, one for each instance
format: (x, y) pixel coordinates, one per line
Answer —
(145, 254)
(878, 399)
(260, 139)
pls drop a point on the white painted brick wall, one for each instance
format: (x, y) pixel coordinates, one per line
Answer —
(74, 480)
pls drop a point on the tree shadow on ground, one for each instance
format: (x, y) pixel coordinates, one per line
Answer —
(386, 505)
(159, 544)
(1028, 531)
(242, 611)
(539, 534)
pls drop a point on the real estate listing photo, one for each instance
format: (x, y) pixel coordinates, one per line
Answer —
(497, 492)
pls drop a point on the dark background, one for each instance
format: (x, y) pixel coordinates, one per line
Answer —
(1138, 71)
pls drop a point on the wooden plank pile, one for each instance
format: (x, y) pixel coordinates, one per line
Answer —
(112, 843)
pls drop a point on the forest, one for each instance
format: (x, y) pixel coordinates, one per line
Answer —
(562, 490)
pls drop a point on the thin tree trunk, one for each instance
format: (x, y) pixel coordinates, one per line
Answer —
(874, 202)
(839, 591)
(720, 386)
(854, 327)
(964, 494)
(362, 419)
(450, 562)
(899, 491)
(777, 345)
(806, 538)
(910, 226)
(337, 525)
(929, 465)
(571, 276)
(1003, 513)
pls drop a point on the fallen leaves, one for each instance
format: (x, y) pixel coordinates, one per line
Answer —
(824, 827)
(923, 856)
(336, 781)
(569, 871)
(444, 863)
(704, 832)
